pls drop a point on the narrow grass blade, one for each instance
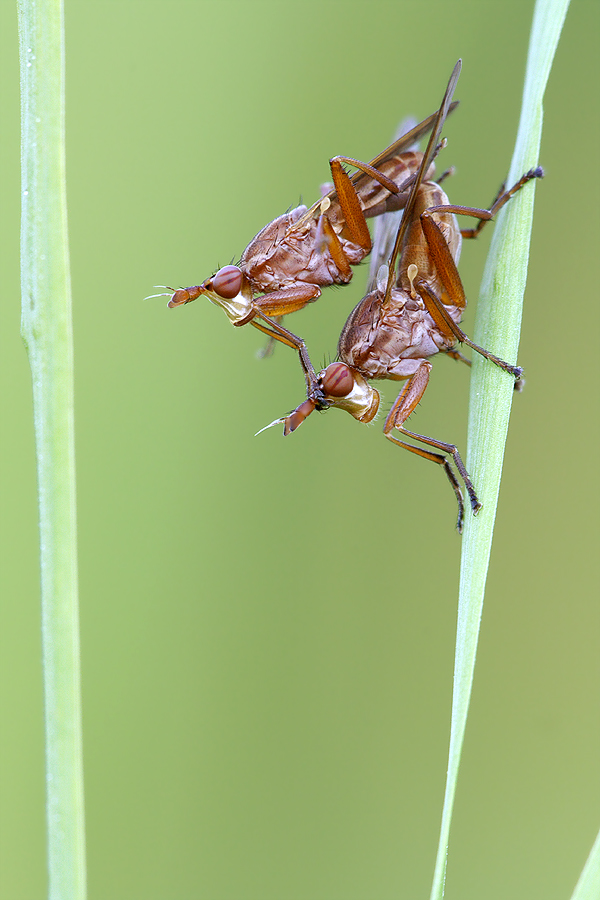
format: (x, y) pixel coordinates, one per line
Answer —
(588, 886)
(497, 328)
(47, 332)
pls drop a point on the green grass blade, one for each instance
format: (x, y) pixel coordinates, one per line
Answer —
(47, 332)
(588, 886)
(497, 328)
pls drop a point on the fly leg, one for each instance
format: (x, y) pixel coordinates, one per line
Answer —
(271, 326)
(269, 347)
(354, 213)
(404, 405)
(448, 326)
(355, 228)
(455, 354)
(485, 215)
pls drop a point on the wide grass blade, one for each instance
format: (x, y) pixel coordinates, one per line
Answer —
(47, 332)
(497, 328)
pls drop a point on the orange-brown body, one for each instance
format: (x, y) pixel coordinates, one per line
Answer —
(411, 313)
(391, 340)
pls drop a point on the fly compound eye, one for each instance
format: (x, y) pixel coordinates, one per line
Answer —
(337, 380)
(227, 282)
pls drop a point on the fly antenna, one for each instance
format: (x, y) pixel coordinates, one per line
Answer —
(166, 293)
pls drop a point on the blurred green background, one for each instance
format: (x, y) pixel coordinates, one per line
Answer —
(267, 694)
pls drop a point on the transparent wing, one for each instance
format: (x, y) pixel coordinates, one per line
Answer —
(405, 141)
(385, 227)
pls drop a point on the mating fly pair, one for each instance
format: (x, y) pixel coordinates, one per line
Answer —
(411, 313)
(415, 302)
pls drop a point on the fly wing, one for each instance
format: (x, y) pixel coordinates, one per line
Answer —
(385, 230)
(438, 123)
(385, 227)
(408, 140)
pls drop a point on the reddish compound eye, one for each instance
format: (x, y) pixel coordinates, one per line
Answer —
(337, 380)
(227, 282)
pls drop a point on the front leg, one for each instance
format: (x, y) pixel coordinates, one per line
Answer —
(269, 307)
(276, 304)
(275, 331)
